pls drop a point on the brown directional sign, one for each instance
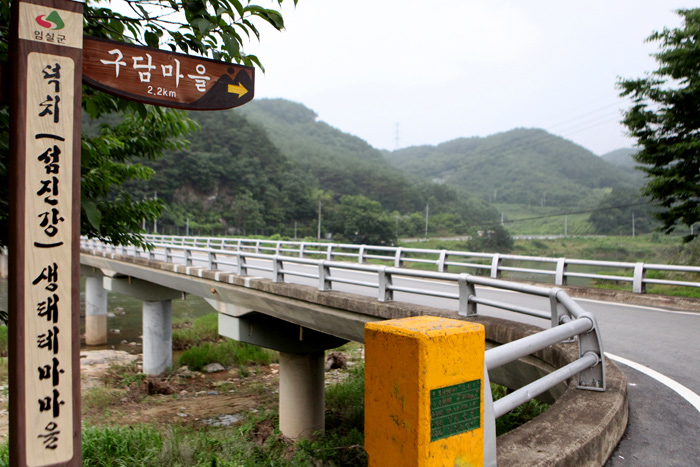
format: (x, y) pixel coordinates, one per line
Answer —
(163, 78)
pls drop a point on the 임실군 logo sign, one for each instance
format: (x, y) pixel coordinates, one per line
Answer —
(51, 21)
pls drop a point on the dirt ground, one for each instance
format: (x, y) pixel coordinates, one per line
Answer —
(183, 397)
(114, 392)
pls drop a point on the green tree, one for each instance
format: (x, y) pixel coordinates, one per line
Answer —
(664, 119)
(618, 210)
(110, 155)
(358, 219)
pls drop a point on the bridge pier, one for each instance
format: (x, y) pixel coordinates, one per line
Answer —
(302, 396)
(95, 311)
(157, 336)
(95, 306)
(302, 401)
(157, 319)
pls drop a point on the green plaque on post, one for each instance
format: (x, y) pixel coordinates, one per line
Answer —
(455, 409)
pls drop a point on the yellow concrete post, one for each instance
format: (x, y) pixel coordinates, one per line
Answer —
(424, 395)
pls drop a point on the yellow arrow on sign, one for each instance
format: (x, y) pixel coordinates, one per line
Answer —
(237, 89)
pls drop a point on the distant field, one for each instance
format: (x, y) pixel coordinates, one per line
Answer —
(651, 248)
(536, 220)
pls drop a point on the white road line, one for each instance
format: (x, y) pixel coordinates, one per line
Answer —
(631, 305)
(682, 391)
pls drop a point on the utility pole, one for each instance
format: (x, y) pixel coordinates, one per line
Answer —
(155, 221)
(187, 228)
(632, 223)
(566, 226)
(427, 215)
(319, 218)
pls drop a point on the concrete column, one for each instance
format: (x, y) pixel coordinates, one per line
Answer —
(95, 311)
(157, 336)
(4, 263)
(302, 394)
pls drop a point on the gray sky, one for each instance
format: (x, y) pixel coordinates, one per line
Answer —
(444, 69)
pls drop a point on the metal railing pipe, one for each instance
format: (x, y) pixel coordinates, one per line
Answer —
(512, 351)
(537, 387)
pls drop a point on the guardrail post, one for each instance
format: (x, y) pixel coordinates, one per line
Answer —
(278, 245)
(385, 281)
(301, 250)
(361, 255)
(441, 266)
(168, 254)
(592, 378)
(277, 269)
(419, 409)
(329, 253)
(560, 274)
(466, 290)
(638, 285)
(213, 262)
(187, 253)
(240, 262)
(324, 282)
(398, 258)
(557, 309)
(495, 265)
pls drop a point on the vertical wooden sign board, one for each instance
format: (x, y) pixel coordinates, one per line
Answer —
(44, 297)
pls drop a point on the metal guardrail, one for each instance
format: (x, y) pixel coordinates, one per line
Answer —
(491, 264)
(568, 320)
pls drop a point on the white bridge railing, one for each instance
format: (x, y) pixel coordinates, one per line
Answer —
(490, 264)
(567, 319)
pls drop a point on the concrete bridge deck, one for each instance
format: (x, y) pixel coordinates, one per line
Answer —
(344, 314)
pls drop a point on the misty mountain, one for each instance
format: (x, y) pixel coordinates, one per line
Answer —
(348, 165)
(521, 166)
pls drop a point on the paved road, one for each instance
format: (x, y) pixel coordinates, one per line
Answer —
(664, 426)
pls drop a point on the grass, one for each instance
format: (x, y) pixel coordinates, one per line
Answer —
(202, 345)
(3, 341)
(4, 371)
(190, 333)
(228, 353)
(256, 442)
(518, 416)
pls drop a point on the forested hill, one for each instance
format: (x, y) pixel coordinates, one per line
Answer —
(342, 163)
(524, 166)
(237, 177)
(347, 165)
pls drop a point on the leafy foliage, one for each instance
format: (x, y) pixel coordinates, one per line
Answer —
(215, 28)
(357, 219)
(665, 121)
(232, 176)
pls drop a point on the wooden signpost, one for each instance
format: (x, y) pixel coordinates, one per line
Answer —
(48, 57)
